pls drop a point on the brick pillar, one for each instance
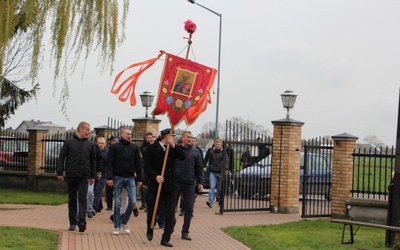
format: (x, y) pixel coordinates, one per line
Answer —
(36, 153)
(143, 125)
(342, 172)
(102, 132)
(285, 175)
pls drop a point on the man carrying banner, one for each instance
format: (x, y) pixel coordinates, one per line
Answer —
(154, 162)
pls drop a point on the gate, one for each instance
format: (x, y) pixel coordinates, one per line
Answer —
(316, 179)
(246, 186)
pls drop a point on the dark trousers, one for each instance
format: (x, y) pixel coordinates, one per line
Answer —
(98, 189)
(188, 195)
(77, 193)
(109, 196)
(169, 201)
(143, 194)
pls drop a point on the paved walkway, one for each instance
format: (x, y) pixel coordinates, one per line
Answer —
(205, 229)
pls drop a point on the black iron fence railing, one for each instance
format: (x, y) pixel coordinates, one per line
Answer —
(372, 172)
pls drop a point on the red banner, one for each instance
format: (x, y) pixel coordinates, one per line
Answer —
(184, 90)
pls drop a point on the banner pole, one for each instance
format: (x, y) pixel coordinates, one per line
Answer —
(153, 218)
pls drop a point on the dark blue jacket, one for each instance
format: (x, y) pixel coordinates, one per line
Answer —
(190, 169)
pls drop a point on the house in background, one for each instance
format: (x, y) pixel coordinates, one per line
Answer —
(53, 128)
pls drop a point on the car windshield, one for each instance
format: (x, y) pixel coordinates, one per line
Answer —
(315, 161)
(13, 146)
(265, 162)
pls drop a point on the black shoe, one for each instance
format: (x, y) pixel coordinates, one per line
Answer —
(161, 225)
(166, 243)
(109, 208)
(149, 234)
(72, 228)
(94, 212)
(112, 218)
(185, 236)
(82, 227)
(217, 199)
(90, 214)
(182, 213)
(143, 206)
(135, 212)
(209, 204)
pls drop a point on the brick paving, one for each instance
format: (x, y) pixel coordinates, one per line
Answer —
(205, 228)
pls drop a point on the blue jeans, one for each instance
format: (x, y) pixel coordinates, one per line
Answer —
(215, 183)
(129, 184)
(90, 197)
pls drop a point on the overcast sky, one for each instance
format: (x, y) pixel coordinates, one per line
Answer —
(341, 57)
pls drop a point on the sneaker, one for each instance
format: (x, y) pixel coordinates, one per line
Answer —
(90, 214)
(182, 213)
(116, 231)
(143, 206)
(209, 204)
(126, 229)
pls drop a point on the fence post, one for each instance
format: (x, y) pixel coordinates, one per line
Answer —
(342, 172)
(35, 153)
(285, 166)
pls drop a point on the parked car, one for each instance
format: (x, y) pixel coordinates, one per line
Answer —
(254, 181)
(13, 153)
(52, 152)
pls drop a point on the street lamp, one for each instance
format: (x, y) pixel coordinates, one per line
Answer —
(147, 100)
(219, 59)
(288, 100)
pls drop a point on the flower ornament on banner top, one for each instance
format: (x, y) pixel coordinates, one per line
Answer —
(184, 88)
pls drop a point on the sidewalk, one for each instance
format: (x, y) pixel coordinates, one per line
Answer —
(205, 228)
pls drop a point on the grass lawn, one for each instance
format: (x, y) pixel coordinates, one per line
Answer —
(305, 234)
(11, 196)
(29, 238)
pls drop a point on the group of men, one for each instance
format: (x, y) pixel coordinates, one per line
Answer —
(168, 170)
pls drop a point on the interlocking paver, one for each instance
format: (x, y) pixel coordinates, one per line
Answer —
(205, 228)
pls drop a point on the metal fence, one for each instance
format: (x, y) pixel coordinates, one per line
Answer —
(372, 172)
(13, 151)
(316, 178)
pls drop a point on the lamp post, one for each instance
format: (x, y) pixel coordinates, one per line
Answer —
(288, 100)
(147, 100)
(219, 59)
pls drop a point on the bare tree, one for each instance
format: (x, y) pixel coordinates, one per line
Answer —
(373, 140)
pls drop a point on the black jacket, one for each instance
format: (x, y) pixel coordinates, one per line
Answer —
(124, 160)
(77, 158)
(216, 159)
(190, 169)
(153, 163)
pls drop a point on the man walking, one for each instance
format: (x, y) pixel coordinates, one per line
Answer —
(78, 159)
(217, 160)
(153, 164)
(188, 172)
(123, 162)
